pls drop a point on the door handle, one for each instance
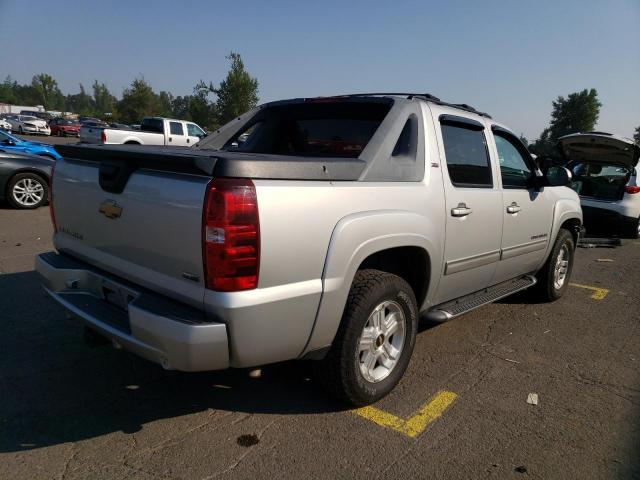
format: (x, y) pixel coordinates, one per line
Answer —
(461, 210)
(187, 140)
(513, 208)
(170, 139)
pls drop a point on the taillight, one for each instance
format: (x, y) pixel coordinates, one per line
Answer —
(632, 189)
(53, 215)
(231, 235)
(103, 137)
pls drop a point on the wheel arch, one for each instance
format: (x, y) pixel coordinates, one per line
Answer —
(375, 240)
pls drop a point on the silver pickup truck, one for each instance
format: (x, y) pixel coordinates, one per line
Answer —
(319, 229)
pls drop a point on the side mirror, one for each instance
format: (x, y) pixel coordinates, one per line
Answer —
(558, 176)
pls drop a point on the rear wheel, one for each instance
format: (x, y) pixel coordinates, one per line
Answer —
(27, 191)
(553, 279)
(375, 340)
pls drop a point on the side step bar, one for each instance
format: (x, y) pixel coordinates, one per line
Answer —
(453, 308)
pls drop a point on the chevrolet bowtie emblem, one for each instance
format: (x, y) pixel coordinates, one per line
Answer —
(110, 209)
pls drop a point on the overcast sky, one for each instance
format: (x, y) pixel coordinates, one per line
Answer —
(508, 58)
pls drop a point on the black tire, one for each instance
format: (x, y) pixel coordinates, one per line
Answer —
(634, 230)
(340, 371)
(14, 198)
(547, 289)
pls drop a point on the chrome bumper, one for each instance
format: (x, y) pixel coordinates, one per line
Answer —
(176, 336)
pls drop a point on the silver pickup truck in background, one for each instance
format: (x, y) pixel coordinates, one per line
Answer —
(318, 229)
(153, 131)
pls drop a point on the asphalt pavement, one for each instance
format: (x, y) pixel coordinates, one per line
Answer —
(72, 411)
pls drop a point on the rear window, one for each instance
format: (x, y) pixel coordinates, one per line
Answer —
(313, 129)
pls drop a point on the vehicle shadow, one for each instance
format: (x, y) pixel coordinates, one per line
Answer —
(56, 389)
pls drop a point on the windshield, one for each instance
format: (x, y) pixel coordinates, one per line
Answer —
(6, 138)
(339, 129)
(28, 118)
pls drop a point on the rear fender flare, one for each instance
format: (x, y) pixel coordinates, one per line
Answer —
(355, 238)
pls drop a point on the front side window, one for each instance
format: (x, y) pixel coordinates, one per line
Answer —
(194, 131)
(466, 156)
(514, 168)
(176, 128)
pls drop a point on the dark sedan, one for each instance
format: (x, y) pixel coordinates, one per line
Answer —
(24, 179)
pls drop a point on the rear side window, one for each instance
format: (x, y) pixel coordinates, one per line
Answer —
(466, 156)
(176, 128)
(153, 125)
(315, 129)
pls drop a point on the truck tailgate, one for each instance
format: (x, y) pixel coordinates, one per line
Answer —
(150, 233)
(91, 134)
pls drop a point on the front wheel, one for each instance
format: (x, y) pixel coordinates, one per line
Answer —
(375, 339)
(553, 279)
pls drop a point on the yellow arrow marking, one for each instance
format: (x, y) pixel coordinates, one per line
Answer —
(416, 424)
(598, 293)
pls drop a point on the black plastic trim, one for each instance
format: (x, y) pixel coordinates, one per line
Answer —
(465, 122)
(117, 162)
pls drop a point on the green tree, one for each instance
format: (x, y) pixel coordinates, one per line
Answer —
(524, 140)
(138, 101)
(7, 91)
(202, 109)
(237, 93)
(81, 103)
(636, 135)
(47, 92)
(103, 100)
(577, 113)
(180, 107)
(165, 104)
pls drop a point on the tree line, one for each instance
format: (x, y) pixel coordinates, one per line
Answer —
(209, 106)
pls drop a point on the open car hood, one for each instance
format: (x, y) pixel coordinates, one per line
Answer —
(598, 147)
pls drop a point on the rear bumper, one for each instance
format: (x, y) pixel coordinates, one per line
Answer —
(607, 221)
(159, 329)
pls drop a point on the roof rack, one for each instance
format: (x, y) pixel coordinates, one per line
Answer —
(423, 96)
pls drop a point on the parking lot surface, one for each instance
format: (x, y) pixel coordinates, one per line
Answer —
(71, 411)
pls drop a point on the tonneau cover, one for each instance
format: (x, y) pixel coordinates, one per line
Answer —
(218, 163)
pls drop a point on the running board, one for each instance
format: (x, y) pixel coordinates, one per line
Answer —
(453, 308)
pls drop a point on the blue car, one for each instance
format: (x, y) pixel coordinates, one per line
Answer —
(9, 143)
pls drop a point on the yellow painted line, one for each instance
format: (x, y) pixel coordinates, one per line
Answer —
(415, 425)
(598, 293)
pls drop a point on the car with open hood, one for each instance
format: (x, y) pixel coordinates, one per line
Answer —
(605, 176)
